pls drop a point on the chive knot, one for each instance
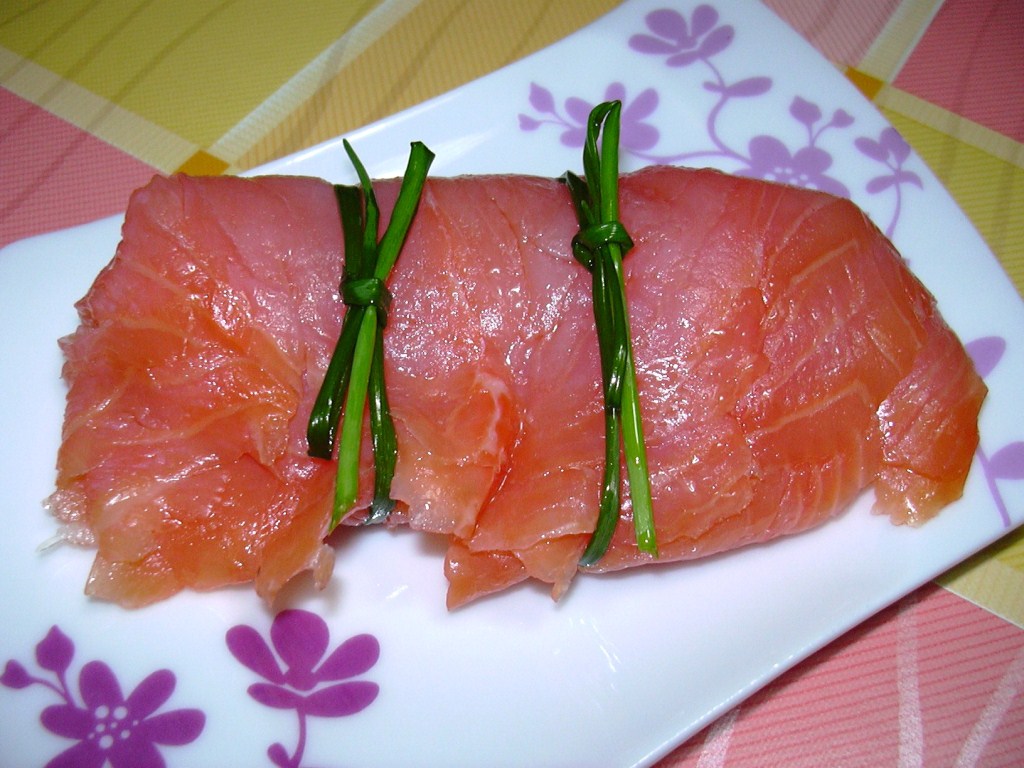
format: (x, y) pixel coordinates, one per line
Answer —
(367, 292)
(588, 242)
(599, 245)
(354, 380)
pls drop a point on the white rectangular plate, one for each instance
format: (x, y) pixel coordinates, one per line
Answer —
(625, 667)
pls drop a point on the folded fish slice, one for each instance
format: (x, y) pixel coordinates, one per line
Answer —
(786, 360)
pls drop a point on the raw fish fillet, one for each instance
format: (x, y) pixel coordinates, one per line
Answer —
(787, 360)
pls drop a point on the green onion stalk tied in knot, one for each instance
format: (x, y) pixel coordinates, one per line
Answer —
(355, 373)
(600, 246)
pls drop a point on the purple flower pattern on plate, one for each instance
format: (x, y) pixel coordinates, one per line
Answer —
(298, 677)
(892, 151)
(682, 43)
(770, 159)
(635, 134)
(1007, 463)
(108, 728)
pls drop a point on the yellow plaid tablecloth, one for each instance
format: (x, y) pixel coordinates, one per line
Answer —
(97, 95)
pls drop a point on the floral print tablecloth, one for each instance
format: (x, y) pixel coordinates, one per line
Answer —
(97, 96)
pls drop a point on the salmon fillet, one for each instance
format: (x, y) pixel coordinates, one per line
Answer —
(786, 360)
